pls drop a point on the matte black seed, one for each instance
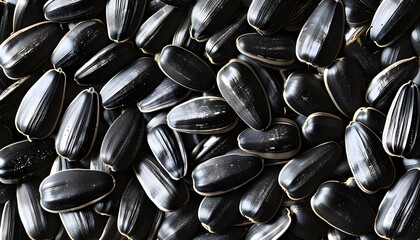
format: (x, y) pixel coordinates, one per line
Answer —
(72, 11)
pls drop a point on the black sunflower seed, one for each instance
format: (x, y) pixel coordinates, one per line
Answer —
(305, 224)
(402, 48)
(322, 127)
(27, 12)
(372, 118)
(72, 11)
(7, 191)
(272, 229)
(11, 226)
(7, 9)
(182, 37)
(356, 12)
(83, 224)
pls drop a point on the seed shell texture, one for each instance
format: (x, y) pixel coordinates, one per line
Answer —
(40, 109)
(402, 48)
(263, 15)
(110, 230)
(272, 229)
(392, 19)
(182, 37)
(304, 93)
(81, 43)
(301, 176)
(11, 226)
(7, 9)
(166, 193)
(74, 189)
(384, 86)
(345, 85)
(343, 208)
(123, 140)
(280, 141)
(225, 173)
(321, 36)
(415, 37)
(123, 18)
(242, 89)
(78, 127)
(156, 120)
(158, 30)
(136, 213)
(167, 146)
(72, 11)
(216, 213)
(23, 160)
(399, 211)
(25, 50)
(371, 166)
(186, 68)
(262, 199)
(305, 224)
(27, 12)
(372, 118)
(277, 50)
(233, 233)
(322, 127)
(83, 224)
(300, 14)
(38, 223)
(179, 3)
(134, 82)
(202, 115)
(357, 13)
(401, 132)
(106, 63)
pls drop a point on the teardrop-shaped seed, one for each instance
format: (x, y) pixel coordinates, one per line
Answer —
(262, 199)
(345, 85)
(38, 223)
(23, 160)
(106, 63)
(166, 193)
(202, 115)
(11, 226)
(131, 84)
(182, 36)
(356, 12)
(242, 89)
(216, 213)
(136, 213)
(370, 164)
(25, 50)
(305, 224)
(385, 85)
(280, 141)
(186, 68)
(40, 109)
(392, 19)
(123, 140)
(168, 148)
(219, 48)
(72, 11)
(343, 208)
(208, 17)
(27, 12)
(401, 132)
(272, 229)
(157, 31)
(398, 50)
(399, 211)
(301, 176)
(79, 44)
(263, 15)
(73, 189)
(83, 224)
(321, 36)
(123, 18)
(278, 50)
(225, 173)
(182, 223)
(7, 10)
(322, 127)
(372, 118)
(304, 93)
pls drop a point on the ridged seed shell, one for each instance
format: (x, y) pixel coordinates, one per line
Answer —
(72, 11)
(27, 12)
(272, 229)
(11, 226)
(83, 224)
(305, 224)
(372, 118)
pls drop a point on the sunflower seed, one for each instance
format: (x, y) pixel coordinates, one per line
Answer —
(372, 118)
(83, 224)
(6, 24)
(7, 191)
(398, 50)
(415, 37)
(11, 226)
(322, 127)
(27, 12)
(179, 3)
(356, 12)
(305, 224)
(407, 163)
(233, 233)
(272, 229)
(72, 11)
(182, 36)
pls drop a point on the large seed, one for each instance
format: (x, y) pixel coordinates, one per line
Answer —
(182, 36)
(74, 189)
(83, 224)
(322, 127)
(305, 224)
(40, 109)
(372, 118)
(24, 51)
(242, 89)
(23, 160)
(272, 229)
(27, 12)
(399, 211)
(402, 48)
(203, 115)
(72, 11)
(234, 233)
(78, 127)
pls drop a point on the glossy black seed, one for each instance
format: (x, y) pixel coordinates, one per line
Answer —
(72, 11)
(305, 224)
(27, 12)
(11, 226)
(7, 9)
(182, 37)
(323, 127)
(402, 48)
(272, 229)
(356, 12)
(83, 224)
(415, 37)
(372, 118)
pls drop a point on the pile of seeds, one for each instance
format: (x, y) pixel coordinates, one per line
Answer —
(210, 119)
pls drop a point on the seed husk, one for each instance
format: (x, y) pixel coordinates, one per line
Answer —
(131, 84)
(398, 50)
(41, 107)
(182, 37)
(242, 89)
(83, 224)
(300, 14)
(301, 176)
(7, 191)
(233, 233)
(25, 50)
(357, 13)
(110, 230)
(272, 229)
(6, 24)
(372, 118)
(343, 208)
(27, 12)
(322, 127)
(72, 11)
(66, 190)
(415, 37)
(11, 226)
(78, 127)
(106, 63)
(305, 224)
(23, 160)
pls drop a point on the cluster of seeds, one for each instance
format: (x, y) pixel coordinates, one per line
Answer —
(210, 119)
